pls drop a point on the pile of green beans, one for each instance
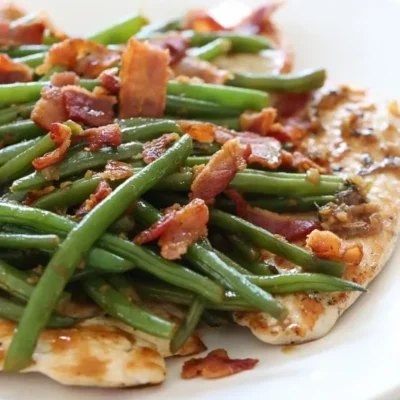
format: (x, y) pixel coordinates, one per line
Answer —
(93, 256)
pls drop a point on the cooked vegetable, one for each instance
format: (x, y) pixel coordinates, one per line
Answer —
(211, 50)
(15, 241)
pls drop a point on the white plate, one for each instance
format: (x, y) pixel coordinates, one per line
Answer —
(357, 40)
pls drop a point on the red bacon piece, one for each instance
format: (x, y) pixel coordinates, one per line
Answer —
(65, 78)
(116, 170)
(201, 21)
(144, 76)
(102, 191)
(22, 34)
(37, 194)
(86, 58)
(157, 147)
(290, 228)
(110, 81)
(216, 364)
(61, 135)
(299, 162)
(219, 172)
(201, 132)
(11, 71)
(108, 135)
(88, 108)
(193, 67)
(290, 104)
(156, 230)
(175, 43)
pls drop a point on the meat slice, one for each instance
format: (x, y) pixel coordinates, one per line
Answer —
(116, 170)
(144, 76)
(22, 34)
(102, 191)
(107, 135)
(175, 43)
(65, 78)
(157, 147)
(11, 71)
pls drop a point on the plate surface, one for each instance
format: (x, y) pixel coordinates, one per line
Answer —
(357, 41)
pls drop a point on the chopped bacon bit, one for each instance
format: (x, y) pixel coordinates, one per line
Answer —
(201, 21)
(22, 34)
(61, 135)
(102, 191)
(157, 147)
(325, 244)
(203, 133)
(10, 12)
(394, 108)
(216, 364)
(156, 230)
(143, 67)
(86, 58)
(116, 170)
(108, 135)
(88, 108)
(37, 194)
(175, 43)
(50, 108)
(11, 71)
(54, 31)
(290, 104)
(209, 73)
(220, 171)
(110, 81)
(290, 228)
(65, 78)
(300, 162)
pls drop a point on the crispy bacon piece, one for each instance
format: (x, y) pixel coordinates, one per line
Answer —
(88, 108)
(326, 244)
(144, 78)
(61, 135)
(216, 364)
(54, 31)
(11, 71)
(193, 67)
(299, 162)
(102, 191)
(65, 78)
(290, 228)
(108, 135)
(178, 229)
(110, 81)
(22, 34)
(219, 172)
(290, 104)
(201, 21)
(202, 132)
(37, 194)
(10, 11)
(116, 170)
(175, 43)
(157, 147)
(86, 58)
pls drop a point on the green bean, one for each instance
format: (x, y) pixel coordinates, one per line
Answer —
(32, 60)
(124, 286)
(9, 152)
(241, 42)
(19, 131)
(291, 283)
(79, 162)
(11, 114)
(192, 108)
(78, 242)
(281, 204)
(275, 245)
(20, 241)
(296, 82)
(15, 93)
(24, 50)
(142, 257)
(204, 148)
(134, 122)
(13, 312)
(171, 294)
(245, 248)
(149, 131)
(125, 224)
(119, 32)
(230, 123)
(53, 70)
(49, 40)
(188, 325)
(211, 50)
(118, 306)
(216, 319)
(200, 256)
(148, 31)
(243, 99)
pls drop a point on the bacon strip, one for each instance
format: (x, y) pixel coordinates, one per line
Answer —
(61, 135)
(86, 58)
(178, 229)
(193, 67)
(216, 364)
(219, 172)
(299, 162)
(108, 135)
(144, 77)
(290, 228)
(11, 71)
(102, 191)
(175, 43)
(116, 170)
(65, 78)
(157, 147)
(110, 81)
(22, 34)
